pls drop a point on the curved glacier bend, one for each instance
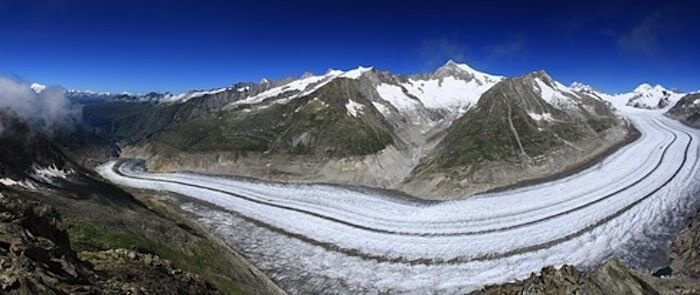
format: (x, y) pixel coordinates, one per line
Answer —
(333, 236)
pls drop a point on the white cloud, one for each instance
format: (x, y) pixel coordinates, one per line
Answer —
(44, 111)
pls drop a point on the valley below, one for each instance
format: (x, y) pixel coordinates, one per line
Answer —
(349, 147)
(323, 238)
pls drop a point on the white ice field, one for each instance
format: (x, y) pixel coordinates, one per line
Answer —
(313, 238)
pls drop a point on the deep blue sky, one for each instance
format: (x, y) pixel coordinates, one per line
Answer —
(177, 45)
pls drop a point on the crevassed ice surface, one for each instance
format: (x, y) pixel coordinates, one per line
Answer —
(313, 238)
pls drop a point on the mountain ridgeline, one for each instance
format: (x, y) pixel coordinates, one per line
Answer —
(524, 126)
(449, 133)
(687, 110)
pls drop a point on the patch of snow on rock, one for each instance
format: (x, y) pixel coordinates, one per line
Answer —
(395, 96)
(553, 96)
(354, 108)
(446, 93)
(51, 172)
(21, 183)
(540, 117)
(299, 85)
(185, 96)
(381, 108)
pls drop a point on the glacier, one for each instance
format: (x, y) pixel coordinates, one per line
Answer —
(322, 238)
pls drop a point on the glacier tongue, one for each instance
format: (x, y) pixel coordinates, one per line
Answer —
(364, 240)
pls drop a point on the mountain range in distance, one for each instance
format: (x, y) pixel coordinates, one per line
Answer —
(446, 134)
(644, 96)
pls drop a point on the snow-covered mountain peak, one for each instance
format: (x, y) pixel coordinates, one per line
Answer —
(464, 67)
(553, 92)
(453, 87)
(542, 75)
(645, 87)
(450, 62)
(464, 72)
(38, 88)
(644, 96)
(356, 73)
(582, 87)
(652, 97)
(333, 72)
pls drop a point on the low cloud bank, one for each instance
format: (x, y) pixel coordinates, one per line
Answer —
(44, 109)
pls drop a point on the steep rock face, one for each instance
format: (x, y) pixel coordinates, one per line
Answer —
(686, 250)
(522, 128)
(687, 110)
(25, 151)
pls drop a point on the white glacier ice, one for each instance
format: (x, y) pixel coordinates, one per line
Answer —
(328, 236)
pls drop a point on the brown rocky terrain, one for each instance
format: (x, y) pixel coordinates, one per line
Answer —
(687, 110)
(610, 278)
(36, 257)
(125, 243)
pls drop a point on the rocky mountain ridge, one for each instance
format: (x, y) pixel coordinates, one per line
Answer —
(353, 126)
(687, 110)
(529, 125)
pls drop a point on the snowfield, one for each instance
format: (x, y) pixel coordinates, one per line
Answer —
(315, 238)
(447, 93)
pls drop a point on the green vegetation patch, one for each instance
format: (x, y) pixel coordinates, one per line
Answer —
(317, 124)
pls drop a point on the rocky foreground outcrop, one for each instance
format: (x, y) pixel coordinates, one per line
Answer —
(681, 277)
(36, 258)
(610, 278)
(686, 251)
